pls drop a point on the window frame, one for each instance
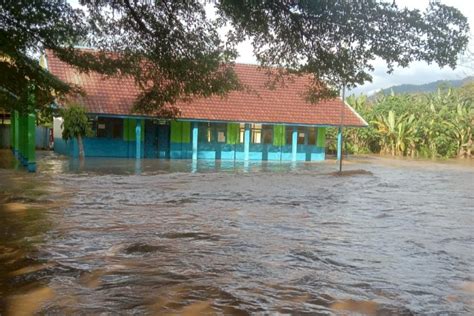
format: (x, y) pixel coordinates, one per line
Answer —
(301, 140)
(217, 128)
(117, 133)
(256, 133)
(205, 133)
(289, 134)
(242, 133)
(101, 131)
(310, 130)
(267, 131)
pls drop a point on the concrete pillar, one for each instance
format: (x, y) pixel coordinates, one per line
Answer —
(247, 142)
(16, 133)
(294, 143)
(138, 136)
(339, 144)
(21, 138)
(195, 141)
(30, 156)
(138, 166)
(12, 131)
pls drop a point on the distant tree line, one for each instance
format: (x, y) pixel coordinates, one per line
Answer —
(430, 125)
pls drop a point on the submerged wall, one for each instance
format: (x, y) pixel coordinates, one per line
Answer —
(97, 147)
(124, 147)
(234, 149)
(224, 142)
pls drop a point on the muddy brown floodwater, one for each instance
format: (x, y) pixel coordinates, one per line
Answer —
(390, 237)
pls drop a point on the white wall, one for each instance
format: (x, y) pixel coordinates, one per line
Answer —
(58, 127)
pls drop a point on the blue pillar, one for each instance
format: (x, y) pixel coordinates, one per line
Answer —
(339, 143)
(138, 166)
(138, 135)
(195, 140)
(247, 142)
(30, 158)
(294, 143)
(16, 134)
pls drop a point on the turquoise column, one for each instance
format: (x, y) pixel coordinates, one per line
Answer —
(30, 156)
(247, 142)
(195, 140)
(138, 135)
(12, 131)
(294, 143)
(16, 133)
(21, 138)
(339, 143)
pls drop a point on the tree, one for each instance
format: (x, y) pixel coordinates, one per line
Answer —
(336, 40)
(178, 54)
(26, 28)
(173, 49)
(76, 125)
(430, 125)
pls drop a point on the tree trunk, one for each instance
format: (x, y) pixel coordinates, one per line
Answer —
(81, 147)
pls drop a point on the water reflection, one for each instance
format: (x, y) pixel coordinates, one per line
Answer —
(24, 223)
(387, 237)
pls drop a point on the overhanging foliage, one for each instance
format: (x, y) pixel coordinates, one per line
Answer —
(173, 50)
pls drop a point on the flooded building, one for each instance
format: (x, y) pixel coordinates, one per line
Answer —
(258, 123)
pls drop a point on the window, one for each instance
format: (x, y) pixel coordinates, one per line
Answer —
(117, 128)
(101, 127)
(212, 132)
(109, 127)
(242, 133)
(256, 137)
(301, 135)
(312, 135)
(259, 134)
(93, 125)
(267, 134)
(221, 131)
(205, 133)
(289, 135)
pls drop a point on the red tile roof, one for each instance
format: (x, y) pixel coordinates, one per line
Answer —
(284, 104)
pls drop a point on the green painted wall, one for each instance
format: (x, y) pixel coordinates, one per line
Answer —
(129, 125)
(233, 133)
(321, 141)
(23, 129)
(180, 132)
(30, 137)
(279, 137)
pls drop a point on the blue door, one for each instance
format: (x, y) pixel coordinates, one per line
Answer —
(157, 139)
(151, 139)
(163, 140)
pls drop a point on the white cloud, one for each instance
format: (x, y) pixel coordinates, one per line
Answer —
(420, 72)
(416, 73)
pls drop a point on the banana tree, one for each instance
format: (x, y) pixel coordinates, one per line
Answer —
(406, 139)
(460, 126)
(387, 127)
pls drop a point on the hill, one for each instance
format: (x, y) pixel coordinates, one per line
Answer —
(427, 87)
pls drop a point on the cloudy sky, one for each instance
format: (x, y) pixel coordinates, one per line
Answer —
(416, 73)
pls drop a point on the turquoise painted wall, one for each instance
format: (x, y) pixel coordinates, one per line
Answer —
(259, 152)
(181, 146)
(98, 147)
